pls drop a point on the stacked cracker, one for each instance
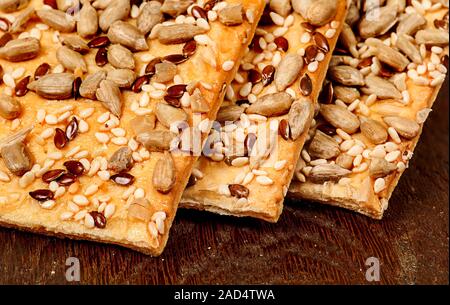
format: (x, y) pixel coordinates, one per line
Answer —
(381, 90)
(251, 156)
(90, 105)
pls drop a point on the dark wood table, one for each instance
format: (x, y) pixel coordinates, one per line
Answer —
(310, 244)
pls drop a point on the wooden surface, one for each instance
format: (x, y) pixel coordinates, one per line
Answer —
(310, 244)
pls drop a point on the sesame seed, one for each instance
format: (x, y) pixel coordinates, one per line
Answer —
(109, 210)
(102, 137)
(49, 204)
(228, 65)
(55, 155)
(305, 38)
(26, 179)
(313, 66)
(394, 135)
(91, 190)
(330, 33)
(66, 215)
(379, 185)
(80, 200)
(51, 119)
(152, 229)
(89, 221)
(60, 191)
(104, 175)
(264, 180)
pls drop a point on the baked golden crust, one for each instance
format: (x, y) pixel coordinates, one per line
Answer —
(19, 210)
(360, 190)
(265, 197)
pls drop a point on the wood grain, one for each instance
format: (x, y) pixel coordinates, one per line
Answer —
(310, 244)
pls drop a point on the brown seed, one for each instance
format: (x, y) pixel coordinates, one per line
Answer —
(176, 91)
(192, 181)
(150, 68)
(311, 53)
(255, 46)
(238, 190)
(74, 167)
(101, 58)
(282, 43)
(189, 48)
(41, 195)
(326, 94)
(66, 179)
(60, 139)
(42, 70)
(176, 58)
(210, 4)
(254, 76)
(321, 42)
(283, 129)
(4, 24)
(21, 87)
(123, 179)
(250, 140)
(173, 101)
(365, 62)
(6, 37)
(327, 129)
(268, 74)
(306, 85)
(139, 82)
(178, 33)
(76, 88)
(198, 12)
(308, 27)
(99, 219)
(52, 175)
(51, 3)
(99, 42)
(72, 129)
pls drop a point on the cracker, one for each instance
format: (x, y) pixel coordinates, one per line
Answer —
(374, 158)
(97, 204)
(238, 181)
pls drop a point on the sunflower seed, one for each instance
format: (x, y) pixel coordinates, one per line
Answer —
(410, 24)
(116, 10)
(316, 12)
(123, 78)
(121, 160)
(273, 104)
(91, 83)
(281, 7)
(70, 59)
(373, 130)
(345, 161)
(175, 8)
(408, 48)
(178, 33)
(167, 115)
(388, 55)
(346, 75)
(57, 20)
(352, 15)
(109, 94)
(348, 39)
(10, 108)
(120, 57)
(346, 94)
(150, 16)
(198, 102)
(300, 114)
(156, 140)
(127, 35)
(21, 19)
(323, 146)
(371, 26)
(20, 49)
(229, 113)
(16, 155)
(327, 172)
(405, 127)
(288, 71)
(141, 124)
(382, 88)
(55, 86)
(432, 37)
(164, 174)
(10, 6)
(87, 24)
(340, 117)
(164, 72)
(75, 43)
(379, 167)
(231, 15)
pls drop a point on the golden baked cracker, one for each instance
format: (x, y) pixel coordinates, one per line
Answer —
(234, 180)
(93, 198)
